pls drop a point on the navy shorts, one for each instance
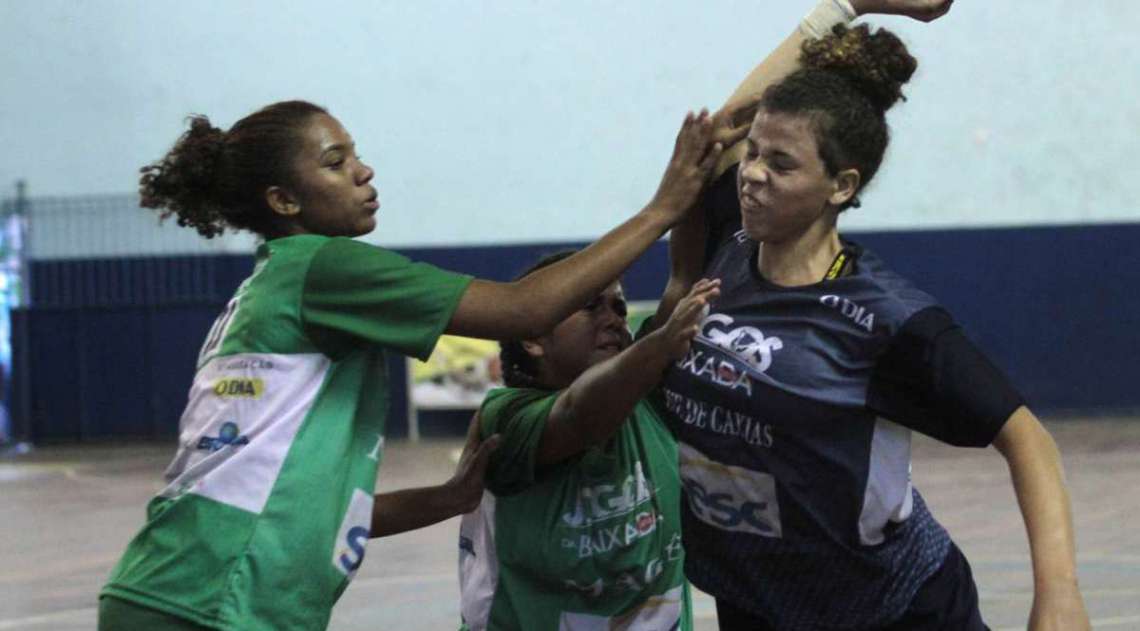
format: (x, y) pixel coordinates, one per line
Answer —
(947, 601)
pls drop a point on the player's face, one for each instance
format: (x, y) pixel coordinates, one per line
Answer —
(782, 183)
(332, 186)
(590, 335)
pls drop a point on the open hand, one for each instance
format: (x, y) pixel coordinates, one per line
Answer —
(685, 323)
(467, 482)
(732, 122)
(694, 155)
(922, 10)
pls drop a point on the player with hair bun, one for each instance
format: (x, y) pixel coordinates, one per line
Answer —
(795, 405)
(269, 499)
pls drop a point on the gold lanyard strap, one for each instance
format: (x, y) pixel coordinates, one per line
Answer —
(841, 265)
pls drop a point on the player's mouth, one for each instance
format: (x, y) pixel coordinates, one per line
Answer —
(373, 201)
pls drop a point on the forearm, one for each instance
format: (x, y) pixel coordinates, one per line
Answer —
(1038, 481)
(409, 509)
(595, 405)
(532, 306)
(558, 290)
(781, 62)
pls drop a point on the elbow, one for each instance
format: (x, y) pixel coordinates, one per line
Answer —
(1023, 437)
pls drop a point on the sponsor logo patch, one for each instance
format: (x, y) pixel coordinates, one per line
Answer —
(730, 498)
(860, 315)
(239, 387)
(746, 342)
(229, 434)
(352, 537)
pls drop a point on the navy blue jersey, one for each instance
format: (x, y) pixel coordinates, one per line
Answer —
(794, 410)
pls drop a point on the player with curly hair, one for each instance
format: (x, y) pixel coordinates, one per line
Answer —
(795, 404)
(269, 499)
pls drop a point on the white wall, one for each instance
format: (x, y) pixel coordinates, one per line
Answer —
(511, 121)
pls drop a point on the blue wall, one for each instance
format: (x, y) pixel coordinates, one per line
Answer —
(108, 349)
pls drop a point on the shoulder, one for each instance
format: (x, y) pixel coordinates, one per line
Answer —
(341, 247)
(501, 405)
(877, 288)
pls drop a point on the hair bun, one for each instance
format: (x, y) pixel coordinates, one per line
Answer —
(877, 63)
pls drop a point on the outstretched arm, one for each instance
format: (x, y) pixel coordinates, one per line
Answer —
(409, 509)
(1039, 482)
(601, 398)
(536, 304)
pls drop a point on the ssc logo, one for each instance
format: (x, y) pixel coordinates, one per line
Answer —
(728, 497)
(746, 342)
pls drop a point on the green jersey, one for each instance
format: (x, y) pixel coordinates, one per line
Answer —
(590, 543)
(269, 502)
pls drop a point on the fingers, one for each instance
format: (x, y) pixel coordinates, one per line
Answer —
(691, 309)
(706, 165)
(483, 453)
(931, 10)
(472, 441)
(741, 113)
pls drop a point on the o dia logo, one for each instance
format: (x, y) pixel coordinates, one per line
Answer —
(240, 387)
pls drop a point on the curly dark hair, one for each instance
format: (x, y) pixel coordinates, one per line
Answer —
(519, 368)
(849, 80)
(212, 180)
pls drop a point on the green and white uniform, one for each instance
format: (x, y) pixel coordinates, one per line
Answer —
(590, 543)
(269, 501)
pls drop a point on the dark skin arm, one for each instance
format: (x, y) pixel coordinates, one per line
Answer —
(409, 509)
(530, 307)
(595, 405)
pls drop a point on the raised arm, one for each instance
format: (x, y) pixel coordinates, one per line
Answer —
(1039, 482)
(536, 304)
(827, 13)
(687, 240)
(595, 405)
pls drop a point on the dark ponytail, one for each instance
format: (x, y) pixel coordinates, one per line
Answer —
(212, 180)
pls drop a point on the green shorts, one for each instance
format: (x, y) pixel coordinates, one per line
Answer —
(116, 614)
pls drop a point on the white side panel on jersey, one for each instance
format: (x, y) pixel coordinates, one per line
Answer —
(728, 497)
(243, 415)
(888, 495)
(478, 564)
(659, 613)
(352, 538)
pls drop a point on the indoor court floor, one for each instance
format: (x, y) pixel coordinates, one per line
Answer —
(67, 512)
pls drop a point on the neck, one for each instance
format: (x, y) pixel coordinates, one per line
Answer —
(801, 260)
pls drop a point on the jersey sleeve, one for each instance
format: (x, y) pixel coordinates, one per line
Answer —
(519, 415)
(355, 292)
(934, 380)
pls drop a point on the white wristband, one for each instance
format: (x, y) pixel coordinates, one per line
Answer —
(825, 15)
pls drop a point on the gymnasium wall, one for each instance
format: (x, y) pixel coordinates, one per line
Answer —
(108, 349)
(1008, 190)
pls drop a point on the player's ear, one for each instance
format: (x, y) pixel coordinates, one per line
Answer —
(534, 348)
(844, 186)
